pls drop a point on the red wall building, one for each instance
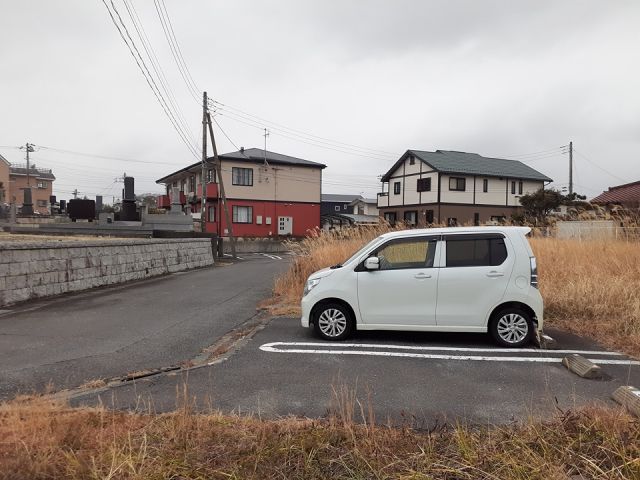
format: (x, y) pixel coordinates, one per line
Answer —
(268, 194)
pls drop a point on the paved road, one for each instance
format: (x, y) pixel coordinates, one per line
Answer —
(110, 332)
(411, 377)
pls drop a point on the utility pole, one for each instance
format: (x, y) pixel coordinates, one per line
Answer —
(75, 193)
(570, 168)
(203, 181)
(29, 149)
(216, 164)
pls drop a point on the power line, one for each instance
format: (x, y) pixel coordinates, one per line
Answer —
(155, 63)
(175, 49)
(254, 125)
(599, 167)
(258, 121)
(149, 81)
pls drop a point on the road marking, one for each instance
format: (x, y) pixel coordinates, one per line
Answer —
(269, 347)
(271, 256)
(444, 349)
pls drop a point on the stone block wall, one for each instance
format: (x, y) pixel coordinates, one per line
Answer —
(35, 270)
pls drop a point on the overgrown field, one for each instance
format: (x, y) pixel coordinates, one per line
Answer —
(590, 287)
(44, 440)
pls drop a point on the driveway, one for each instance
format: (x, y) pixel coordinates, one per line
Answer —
(417, 378)
(151, 324)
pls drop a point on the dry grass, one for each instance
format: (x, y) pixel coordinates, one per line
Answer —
(592, 288)
(45, 440)
(589, 287)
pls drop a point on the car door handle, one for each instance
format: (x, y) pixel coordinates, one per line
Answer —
(494, 273)
(421, 276)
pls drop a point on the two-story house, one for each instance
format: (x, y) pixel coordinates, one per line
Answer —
(4, 180)
(268, 194)
(454, 188)
(40, 180)
(333, 203)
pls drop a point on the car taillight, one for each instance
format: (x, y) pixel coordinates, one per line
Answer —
(534, 272)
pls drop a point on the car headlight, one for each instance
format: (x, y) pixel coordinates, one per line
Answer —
(310, 285)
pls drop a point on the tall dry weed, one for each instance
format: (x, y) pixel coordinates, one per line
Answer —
(591, 287)
(43, 440)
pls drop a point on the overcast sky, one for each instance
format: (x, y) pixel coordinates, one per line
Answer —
(352, 84)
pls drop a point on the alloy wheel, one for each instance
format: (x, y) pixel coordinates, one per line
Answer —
(332, 322)
(512, 328)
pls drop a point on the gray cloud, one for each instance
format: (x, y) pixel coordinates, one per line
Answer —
(493, 77)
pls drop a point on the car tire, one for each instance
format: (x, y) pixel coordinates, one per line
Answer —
(333, 322)
(511, 327)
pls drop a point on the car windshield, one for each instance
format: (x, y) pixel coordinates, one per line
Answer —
(359, 252)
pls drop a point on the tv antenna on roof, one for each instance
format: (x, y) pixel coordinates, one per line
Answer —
(265, 135)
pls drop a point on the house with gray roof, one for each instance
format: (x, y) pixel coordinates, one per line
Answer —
(455, 188)
(268, 194)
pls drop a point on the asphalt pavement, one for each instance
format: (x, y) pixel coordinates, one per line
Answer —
(67, 341)
(415, 378)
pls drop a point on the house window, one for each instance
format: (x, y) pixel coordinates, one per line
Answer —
(242, 214)
(485, 185)
(429, 216)
(410, 217)
(42, 184)
(344, 207)
(457, 184)
(242, 176)
(452, 222)
(478, 252)
(513, 188)
(192, 183)
(42, 203)
(424, 185)
(396, 188)
(390, 217)
(183, 185)
(211, 176)
(412, 160)
(212, 214)
(520, 188)
(337, 208)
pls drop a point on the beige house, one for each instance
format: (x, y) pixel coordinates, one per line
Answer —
(455, 188)
(269, 194)
(4, 180)
(365, 206)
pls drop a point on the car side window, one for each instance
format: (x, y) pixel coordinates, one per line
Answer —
(475, 252)
(407, 253)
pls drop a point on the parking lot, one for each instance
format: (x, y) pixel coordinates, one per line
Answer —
(417, 378)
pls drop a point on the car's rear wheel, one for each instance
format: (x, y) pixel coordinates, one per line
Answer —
(333, 321)
(511, 327)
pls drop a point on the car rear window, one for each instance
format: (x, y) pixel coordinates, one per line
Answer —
(475, 251)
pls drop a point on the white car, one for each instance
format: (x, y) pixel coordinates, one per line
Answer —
(474, 279)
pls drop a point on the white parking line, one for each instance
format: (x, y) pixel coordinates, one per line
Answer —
(270, 347)
(271, 256)
(431, 348)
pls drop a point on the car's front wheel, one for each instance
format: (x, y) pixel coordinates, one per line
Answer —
(511, 327)
(333, 321)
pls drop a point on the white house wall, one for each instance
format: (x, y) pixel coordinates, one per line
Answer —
(452, 196)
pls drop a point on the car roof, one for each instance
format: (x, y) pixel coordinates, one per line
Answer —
(456, 230)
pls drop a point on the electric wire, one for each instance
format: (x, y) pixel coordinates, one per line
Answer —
(175, 50)
(155, 63)
(150, 82)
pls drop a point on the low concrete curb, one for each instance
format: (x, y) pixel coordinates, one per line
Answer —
(628, 397)
(581, 366)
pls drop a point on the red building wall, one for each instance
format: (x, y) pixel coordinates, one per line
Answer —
(306, 216)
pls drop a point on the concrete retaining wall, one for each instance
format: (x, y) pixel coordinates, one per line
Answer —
(255, 245)
(34, 270)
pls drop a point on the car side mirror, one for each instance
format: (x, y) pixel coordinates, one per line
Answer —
(372, 263)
